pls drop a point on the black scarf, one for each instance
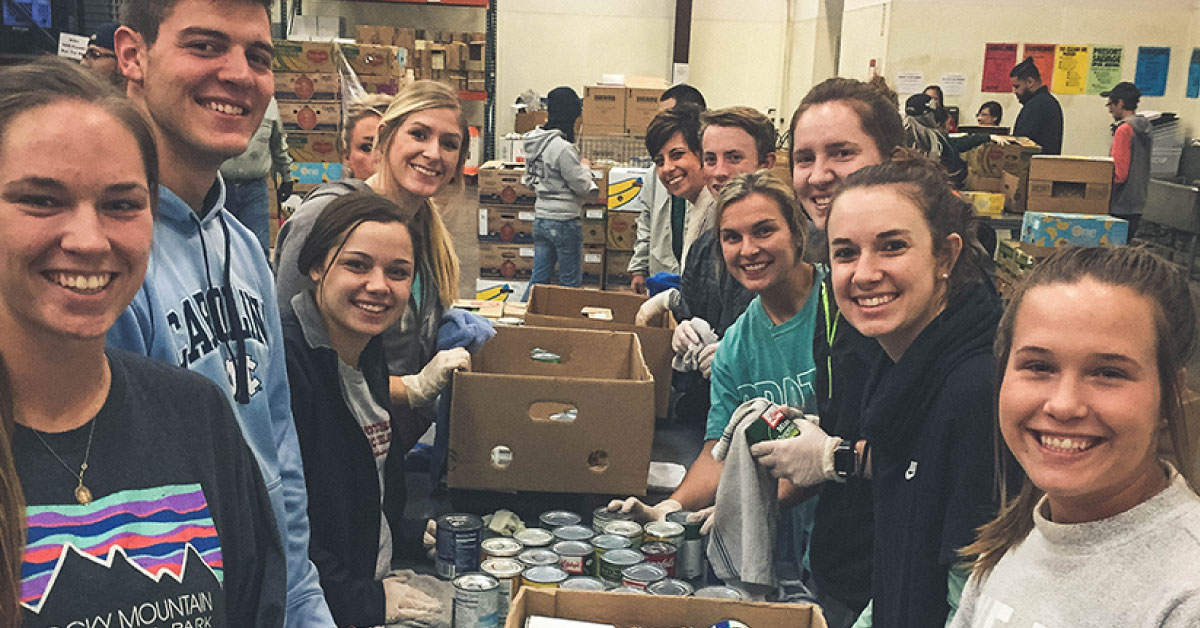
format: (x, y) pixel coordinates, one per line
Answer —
(900, 396)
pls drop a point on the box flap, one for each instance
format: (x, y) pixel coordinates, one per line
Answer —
(628, 610)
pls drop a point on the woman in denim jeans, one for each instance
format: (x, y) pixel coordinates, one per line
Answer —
(563, 181)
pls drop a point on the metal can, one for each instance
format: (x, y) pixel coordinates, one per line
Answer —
(602, 516)
(457, 549)
(506, 571)
(670, 586)
(500, 547)
(605, 542)
(642, 575)
(583, 583)
(661, 554)
(689, 563)
(534, 537)
(544, 577)
(538, 557)
(558, 518)
(625, 589)
(476, 601)
(631, 530)
(574, 532)
(614, 561)
(720, 592)
(575, 557)
(665, 531)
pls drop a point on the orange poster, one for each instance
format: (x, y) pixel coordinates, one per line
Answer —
(1043, 58)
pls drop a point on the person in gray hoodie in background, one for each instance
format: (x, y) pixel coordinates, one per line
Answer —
(1130, 151)
(563, 182)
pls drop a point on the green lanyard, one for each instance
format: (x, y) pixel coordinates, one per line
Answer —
(830, 334)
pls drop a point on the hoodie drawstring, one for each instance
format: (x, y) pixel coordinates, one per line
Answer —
(241, 379)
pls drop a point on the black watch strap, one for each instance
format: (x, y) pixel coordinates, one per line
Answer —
(845, 460)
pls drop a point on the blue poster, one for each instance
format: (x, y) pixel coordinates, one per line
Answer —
(1152, 64)
(1193, 86)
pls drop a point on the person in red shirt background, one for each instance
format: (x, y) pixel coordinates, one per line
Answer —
(1130, 152)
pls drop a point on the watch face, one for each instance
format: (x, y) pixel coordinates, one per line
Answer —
(844, 460)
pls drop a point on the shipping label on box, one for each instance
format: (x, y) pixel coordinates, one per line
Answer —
(594, 231)
(641, 105)
(506, 224)
(501, 183)
(314, 115)
(505, 261)
(315, 173)
(625, 187)
(322, 147)
(370, 60)
(302, 86)
(622, 230)
(593, 264)
(604, 106)
(303, 56)
(1079, 185)
(593, 408)
(1061, 229)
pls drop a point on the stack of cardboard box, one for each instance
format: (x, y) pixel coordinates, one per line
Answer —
(310, 108)
(619, 109)
(625, 187)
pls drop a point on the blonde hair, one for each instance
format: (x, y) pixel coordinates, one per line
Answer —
(764, 183)
(415, 97)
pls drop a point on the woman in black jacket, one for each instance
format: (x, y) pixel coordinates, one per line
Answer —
(360, 254)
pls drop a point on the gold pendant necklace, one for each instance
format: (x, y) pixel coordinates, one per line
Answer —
(83, 494)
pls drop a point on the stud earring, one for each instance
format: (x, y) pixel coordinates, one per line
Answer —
(945, 275)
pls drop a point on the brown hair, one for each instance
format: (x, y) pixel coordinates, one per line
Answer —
(766, 184)
(338, 221)
(879, 118)
(359, 108)
(145, 16)
(748, 119)
(12, 511)
(683, 119)
(1175, 338)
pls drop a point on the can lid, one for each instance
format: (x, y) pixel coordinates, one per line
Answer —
(644, 572)
(545, 573)
(476, 582)
(558, 518)
(574, 532)
(670, 586)
(501, 544)
(623, 528)
(572, 548)
(538, 556)
(623, 557)
(459, 521)
(628, 589)
(665, 529)
(534, 537)
(611, 542)
(720, 592)
(657, 548)
(502, 567)
(691, 530)
(583, 583)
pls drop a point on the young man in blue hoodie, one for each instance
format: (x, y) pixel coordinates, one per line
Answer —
(201, 72)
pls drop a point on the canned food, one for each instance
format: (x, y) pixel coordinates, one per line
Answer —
(605, 542)
(642, 575)
(476, 601)
(538, 557)
(625, 589)
(720, 592)
(534, 537)
(583, 583)
(602, 516)
(665, 531)
(500, 547)
(661, 554)
(670, 586)
(574, 533)
(689, 562)
(575, 557)
(631, 530)
(457, 550)
(558, 518)
(543, 577)
(507, 571)
(614, 561)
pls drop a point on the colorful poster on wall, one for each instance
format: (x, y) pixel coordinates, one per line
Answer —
(1105, 69)
(1043, 58)
(1071, 69)
(1152, 65)
(1193, 85)
(998, 61)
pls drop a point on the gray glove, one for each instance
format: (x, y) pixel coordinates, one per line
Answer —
(748, 411)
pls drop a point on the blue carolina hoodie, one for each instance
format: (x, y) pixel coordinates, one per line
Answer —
(204, 273)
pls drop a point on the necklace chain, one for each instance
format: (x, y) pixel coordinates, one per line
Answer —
(82, 494)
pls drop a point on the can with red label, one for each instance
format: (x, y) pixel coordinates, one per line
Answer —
(661, 554)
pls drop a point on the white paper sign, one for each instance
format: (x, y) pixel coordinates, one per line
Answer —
(526, 216)
(910, 82)
(72, 46)
(526, 251)
(953, 84)
(594, 214)
(593, 258)
(483, 216)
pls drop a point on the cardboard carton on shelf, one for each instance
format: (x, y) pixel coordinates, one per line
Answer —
(985, 203)
(506, 224)
(622, 230)
(641, 105)
(600, 178)
(378, 35)
(371, 60)
(314, 173)
(310, 115)
(500, 182)
(654, 611)
(625, 187)
(1077, 185)
(595, 229)
(388, 85)
(556, 306)
(990, 166)
(592, 265)
(505, 261)
(1018, 258)
(1062, 229)
(527, 121)
(604, 106)
(307, 86)
(322, 147)
(510, 411)
(616, 271)
(405, 38)
(303, 56)
(476, 55)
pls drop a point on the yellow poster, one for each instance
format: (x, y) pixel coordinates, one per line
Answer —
(1071, 69)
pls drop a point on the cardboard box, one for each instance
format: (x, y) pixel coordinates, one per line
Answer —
(641, 105)
(593, 265)
(388, 85)
(406, 39)
(371, 60)
(303, 56)
(1017, 257)
(556, 306)
(476, 55)
(457, 55)
(616, 270)
(502, 416)
(505, 261)
(622, 230)
(307, 86)
(625, 187)
(604, 106)
(1076, 185)
(600, 178)
(1060, 229)
(314, 173)
(501, 183)
(601, 130)
(323, 147)
(527, 121)
(437, 57)
(653, 611)
(311, 115)
(986, 203)
(506, 224)
(378, 35)
(595, 226)
(988, 164)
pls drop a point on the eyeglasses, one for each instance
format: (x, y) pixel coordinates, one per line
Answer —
(94, 54)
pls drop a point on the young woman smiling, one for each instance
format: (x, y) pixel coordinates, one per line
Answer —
(1092, 350)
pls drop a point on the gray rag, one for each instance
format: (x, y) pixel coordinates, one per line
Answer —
(439, 590)
(690, 360)
(741, 544)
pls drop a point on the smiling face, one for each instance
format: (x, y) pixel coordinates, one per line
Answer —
(360, 158)
(423, 155)
(728, 152)
(758, 247)
(1081, 398)
(829, 145)
(74, 233)
(679, 168)
(365, 288)
(206, 81)
(886, 278)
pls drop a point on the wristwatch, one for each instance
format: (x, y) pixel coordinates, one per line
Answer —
(845, 461)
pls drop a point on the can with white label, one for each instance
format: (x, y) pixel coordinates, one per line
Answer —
(476, 601)
(506, 571)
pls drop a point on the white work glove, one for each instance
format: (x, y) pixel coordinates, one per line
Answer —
(706, 359)
(643, 513)
(403, 602)
(684, 337)
(705, 517)
(749, 410)
(655, 305)
(429, 539)
(1002, 140)
(805, 460)
(424, 387)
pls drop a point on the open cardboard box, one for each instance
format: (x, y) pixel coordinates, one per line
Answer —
(556, 306)
(504, 434)
(653, 611)
(1074, 185)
